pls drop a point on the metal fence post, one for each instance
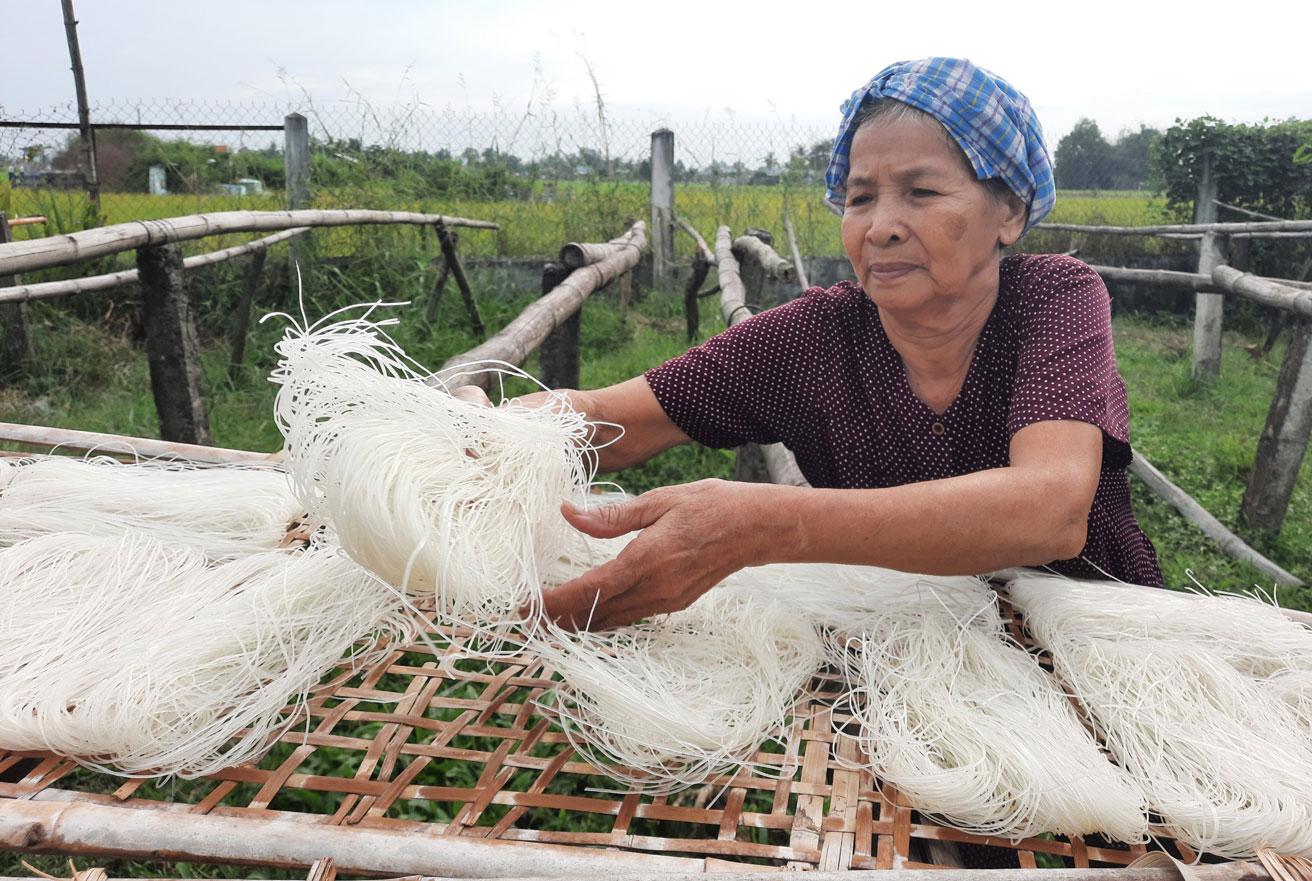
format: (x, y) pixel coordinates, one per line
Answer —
(296, 164)
(1208, 307)
(662, 208)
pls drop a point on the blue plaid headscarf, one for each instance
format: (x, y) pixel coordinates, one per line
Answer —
(994, 124)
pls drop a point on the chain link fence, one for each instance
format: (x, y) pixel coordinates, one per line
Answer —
(547, 177)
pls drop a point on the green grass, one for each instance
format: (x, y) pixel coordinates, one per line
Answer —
(1204, 437)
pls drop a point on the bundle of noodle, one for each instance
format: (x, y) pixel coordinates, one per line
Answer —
(665, 703)
(223, 512)
(161, 663)
(1212, 727)
(436, 495)
(969, 727)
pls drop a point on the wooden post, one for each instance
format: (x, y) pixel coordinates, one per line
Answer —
(702, 258)
(1283, 443)
(1207, 307)
(691, 308)
(83, 109)
(239, 331)
(448, 243)
(172, 347)
(439, 287)
(17, 357)
(558, 357)
(626, 294)
(662, 208)
(296, 165)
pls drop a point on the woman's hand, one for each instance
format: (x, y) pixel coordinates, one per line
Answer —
(694, 535)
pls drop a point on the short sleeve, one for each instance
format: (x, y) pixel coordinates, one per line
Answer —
(755, 381)
(1067, 365)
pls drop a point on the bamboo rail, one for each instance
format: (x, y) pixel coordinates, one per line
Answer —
(514, 342)
(797, 255)
(26, 221)
(48, 289)
(88, 828)
(576, 254)
(1193, 280)
(779, 462)
(733, 296)
(1257, 227)
(774, 265)
(60, 250)
(1198, 515)
(1259, 215)
(148, 448)
(1240, 871)
(1271, 293)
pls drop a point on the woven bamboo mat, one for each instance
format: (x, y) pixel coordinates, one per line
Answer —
(421, 744)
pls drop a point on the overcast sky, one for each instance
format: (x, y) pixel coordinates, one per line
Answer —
(1121, 63)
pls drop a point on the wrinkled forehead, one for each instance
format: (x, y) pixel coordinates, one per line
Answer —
(907, 140)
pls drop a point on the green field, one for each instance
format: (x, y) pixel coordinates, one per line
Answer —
(581, 211)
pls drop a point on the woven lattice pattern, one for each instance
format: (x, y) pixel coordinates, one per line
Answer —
(427, 741)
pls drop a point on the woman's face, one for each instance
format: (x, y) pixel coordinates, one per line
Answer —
(921, 231)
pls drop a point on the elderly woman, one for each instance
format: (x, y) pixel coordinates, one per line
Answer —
(954, 411)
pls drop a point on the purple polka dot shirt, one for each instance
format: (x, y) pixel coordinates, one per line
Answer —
(820, 376)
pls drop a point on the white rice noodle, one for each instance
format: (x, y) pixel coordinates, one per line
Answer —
(848, 600)
(141, 659)
(222, 512)
(436, 495)
(1252, 635)
(666, 703)
(970, 728)
(1224, 758)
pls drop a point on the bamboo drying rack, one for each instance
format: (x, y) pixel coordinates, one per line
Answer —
(403, 721)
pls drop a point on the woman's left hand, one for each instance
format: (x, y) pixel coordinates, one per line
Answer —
(694, 535)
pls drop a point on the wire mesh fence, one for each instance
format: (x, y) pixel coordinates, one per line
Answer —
(547, 177)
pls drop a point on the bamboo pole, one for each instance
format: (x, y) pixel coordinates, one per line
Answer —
(780, 464)
(702, 248)
(514, 342)
(733, 296)
(775, 266)
(1259, 215)
(1237, 871)
(576, 254)
(99, 442)
(90, 284)
(85, 828)
(1191, 280)
(797, 256)
(702, 258)
(83, 108)
(1196, 514)
(1256, 228)
(61, 250)
(1272, 293)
